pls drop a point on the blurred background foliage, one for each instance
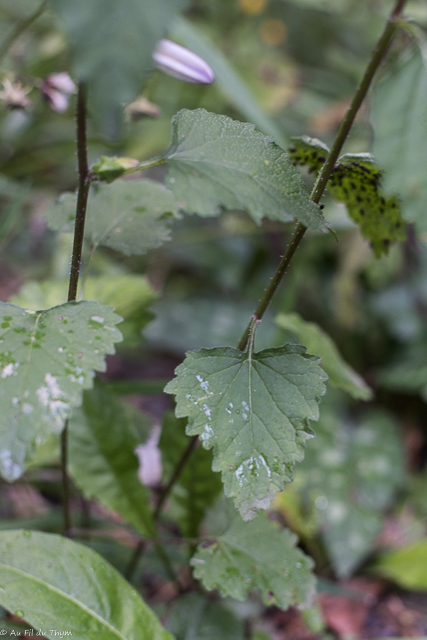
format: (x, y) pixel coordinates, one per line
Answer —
(290, 67)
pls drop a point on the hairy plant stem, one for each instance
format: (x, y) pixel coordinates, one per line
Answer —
(81, 207)
(378, 55)
(20, 28)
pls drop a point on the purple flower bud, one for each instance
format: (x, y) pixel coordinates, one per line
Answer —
(61, 82)
(181, 63)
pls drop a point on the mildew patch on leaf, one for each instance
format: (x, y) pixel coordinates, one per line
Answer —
(47, 359)
(253, 410)
(356, 180)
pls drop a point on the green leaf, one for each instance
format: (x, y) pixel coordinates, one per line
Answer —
(103, 436)
(340, 374)
(194, 617)
(112, 44)
(130, 217)
(198, 486)
(399, 115)
(217, 162)
(47, 359)
(58, 585)
(256, 555)
(356, 180)
(351, 475)
(253, 409)
(228, 79)
(405, 566)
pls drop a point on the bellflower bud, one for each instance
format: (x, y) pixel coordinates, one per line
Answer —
(181, 63)
(57, 88)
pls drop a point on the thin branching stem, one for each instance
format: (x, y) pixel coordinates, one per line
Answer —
(378, 55)
(81, 207)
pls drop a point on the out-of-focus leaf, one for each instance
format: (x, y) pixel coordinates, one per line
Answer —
(340, 374)
(350, 475)
(198, 486)
(56, 585)
(256, 555)
(104, 434)
(254, 410)
(112, 45)
(47, 359)
(405, 566)
(227, 78)
(130, 217)
(356, 180)
(194, 617)
(399, 114)
(217, 162)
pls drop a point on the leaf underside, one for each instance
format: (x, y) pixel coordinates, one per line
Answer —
(47, 359)
(253, 410)
(215, 162)
(356, 181)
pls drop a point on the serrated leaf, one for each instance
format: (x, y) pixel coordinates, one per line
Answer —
(399, 115)
(103, 436)
(256, 555)
(253, 409)
(217, 162)
(112, 45)
(130, 216)
(351, 474)
(56, 584)
(340, 374)
(198, 486)
(47, 359)
(193, 616)
(356, 180)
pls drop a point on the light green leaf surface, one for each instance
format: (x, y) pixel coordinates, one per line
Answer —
(194, 617)
(350, 475)
(228, 79)
(399, 115)
(112, 45)
(58, 585)
(356, 180)
(253, 409)
(217, 162)
(405, 566)
(256, 555)
(130, 217)
(197, 486)
(103, 436)
(340, 374)
(47, 359)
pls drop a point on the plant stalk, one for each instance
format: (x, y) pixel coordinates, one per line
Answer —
(81, 207)
(378, 55)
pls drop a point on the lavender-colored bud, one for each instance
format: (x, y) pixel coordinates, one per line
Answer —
(181, 63)
(61, 82)
(57, 101)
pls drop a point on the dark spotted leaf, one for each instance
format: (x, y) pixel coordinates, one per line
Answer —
(356, 180)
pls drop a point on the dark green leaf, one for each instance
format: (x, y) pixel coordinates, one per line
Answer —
(356, 180)
(193, 617)
(58, 585)
(47, 359)
(340, 374)
(130, 217)
(217, 162)
(198, 486)
(112, 44)
(256, 555)
(399, 114)
(253, 409)
(103, 436)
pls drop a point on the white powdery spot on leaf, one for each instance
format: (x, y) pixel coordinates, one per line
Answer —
(9, 369)
(52, 398)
